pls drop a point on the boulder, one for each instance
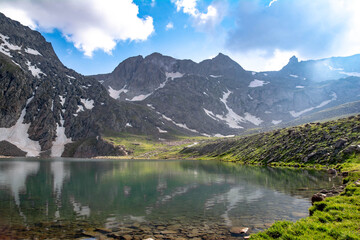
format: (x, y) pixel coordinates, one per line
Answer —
(317, 197)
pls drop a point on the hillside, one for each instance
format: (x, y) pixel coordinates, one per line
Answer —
(314, 143)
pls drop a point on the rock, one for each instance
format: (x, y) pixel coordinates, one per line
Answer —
(103, 230)
(352, 149)
(317, 197)
(324, 191)
(8, 149)
(169, 232)
(345, 174)
(237, 231)
(340, 143)
(331, 171)
(126, 237)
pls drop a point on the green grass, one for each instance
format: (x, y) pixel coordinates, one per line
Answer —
(142, 146)
(334, 218)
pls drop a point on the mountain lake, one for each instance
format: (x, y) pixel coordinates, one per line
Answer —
(148, 199)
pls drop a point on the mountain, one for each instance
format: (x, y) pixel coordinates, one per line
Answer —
(217, 97)
(324, 69)
(50, 110)
(45, 106)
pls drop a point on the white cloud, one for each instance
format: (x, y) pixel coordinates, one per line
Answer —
(90, 24)
(271, 3)
(201, 19)
(259, 60)
(169, 26)
(310, 29)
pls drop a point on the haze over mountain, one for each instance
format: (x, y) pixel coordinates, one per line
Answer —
(217, 97)
(48, 109)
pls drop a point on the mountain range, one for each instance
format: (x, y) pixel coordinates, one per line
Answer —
(47, 109)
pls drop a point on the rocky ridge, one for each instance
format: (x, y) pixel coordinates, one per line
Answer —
(217, 97)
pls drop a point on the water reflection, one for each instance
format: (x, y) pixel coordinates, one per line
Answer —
(110, 192)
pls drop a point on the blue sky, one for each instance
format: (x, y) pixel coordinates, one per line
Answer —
(94, 36)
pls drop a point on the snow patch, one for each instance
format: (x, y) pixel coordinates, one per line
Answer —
(265, 74)
(250, 97)
(297, 114)
(210, 114)
(150, 106)
(179, 124)
(231, 118)
(254, 120)
(71, 77)
(161, 131)
(89, 104)
(62, 100)
(59, 144)
(5, 47)
(128, 125)
(35, 71)
(294, 76)
(80, 109)
(215, 76)
(18, 135)
(173, 75)
(140, 97)
(223, 136)
(16, 64)
(276, 122)
(334, 69)
(267, 112)
(351, 74)
(253, 73)
(191, 145)
(32, 51)
(257, 83)
(115, 94)
(300, 87)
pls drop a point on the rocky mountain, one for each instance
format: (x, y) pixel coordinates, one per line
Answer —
(48, 109)
(217, 97)
(45, 106)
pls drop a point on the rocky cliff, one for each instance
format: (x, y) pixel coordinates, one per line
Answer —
(44, 105)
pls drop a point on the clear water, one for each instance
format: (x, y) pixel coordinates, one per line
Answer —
(117, 193)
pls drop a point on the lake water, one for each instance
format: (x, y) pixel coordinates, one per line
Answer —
(70, 198)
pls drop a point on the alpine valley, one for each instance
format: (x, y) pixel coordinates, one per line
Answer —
(47, 109)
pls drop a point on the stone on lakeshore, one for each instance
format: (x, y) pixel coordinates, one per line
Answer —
(317, 197)
(103, 230)
(331, 171)
(236, 231)
(126, 237)
(169, 232)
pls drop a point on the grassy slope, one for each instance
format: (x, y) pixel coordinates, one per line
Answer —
(326, 143)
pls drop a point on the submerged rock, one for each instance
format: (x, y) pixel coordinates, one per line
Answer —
(237, 231)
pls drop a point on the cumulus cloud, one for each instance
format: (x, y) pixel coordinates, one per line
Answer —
(202, 20)
(90, 24)
(169, 26)
(312, 29)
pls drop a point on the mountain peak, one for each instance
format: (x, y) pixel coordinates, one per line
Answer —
(293, 59)
(222, 56)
